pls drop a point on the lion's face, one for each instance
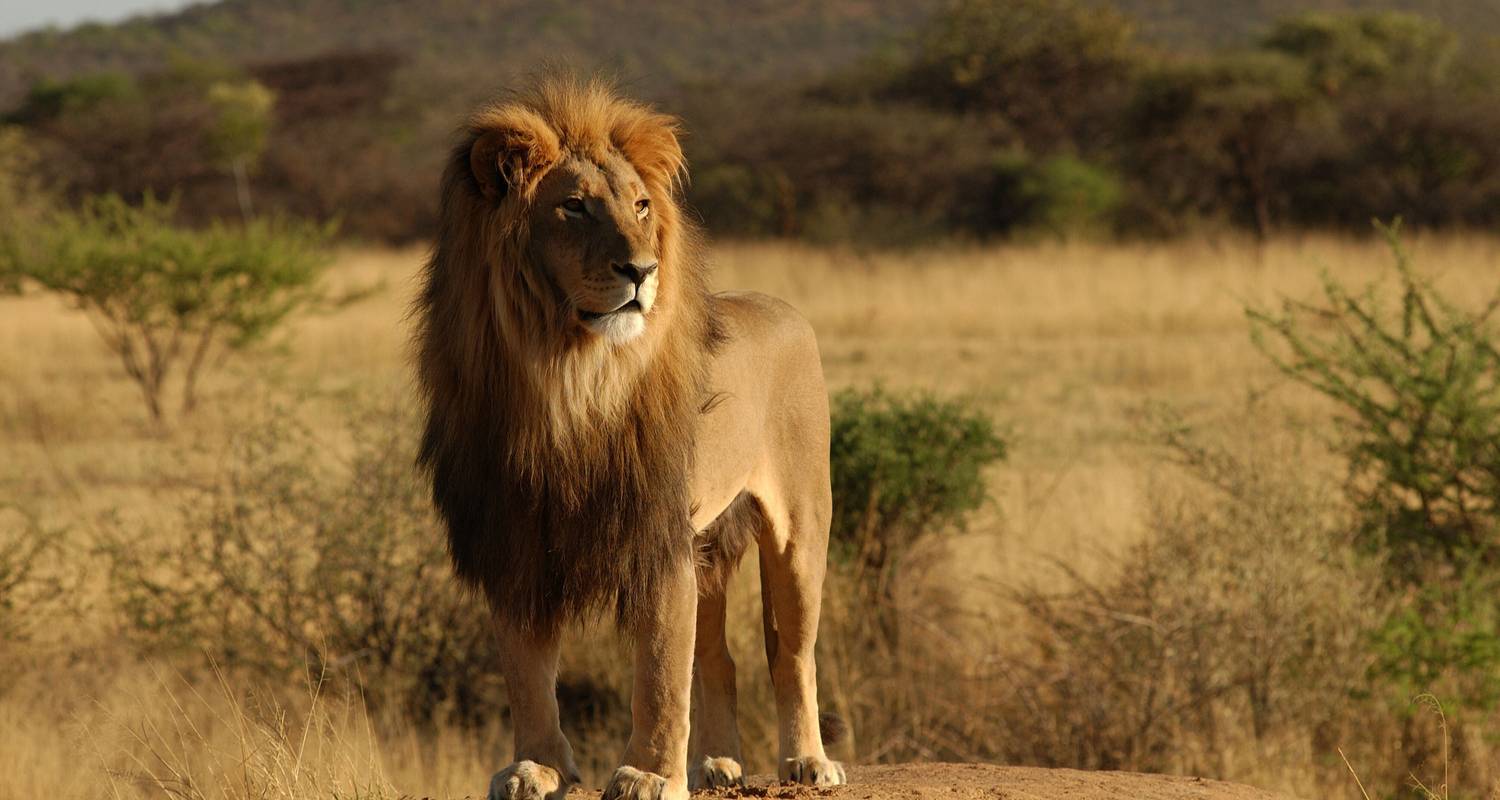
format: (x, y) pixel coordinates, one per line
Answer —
(593, 235)
(579, 186)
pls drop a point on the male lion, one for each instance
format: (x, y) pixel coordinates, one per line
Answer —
(605, 434)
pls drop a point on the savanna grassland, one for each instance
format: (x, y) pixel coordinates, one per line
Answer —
(1084, 354)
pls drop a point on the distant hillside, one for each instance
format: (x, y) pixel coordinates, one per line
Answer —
(662, 42)
(804, 119)
(658, 44)
(1198, 23)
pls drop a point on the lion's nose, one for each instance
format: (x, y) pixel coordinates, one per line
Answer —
(637, 273)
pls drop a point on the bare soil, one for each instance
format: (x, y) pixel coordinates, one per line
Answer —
(986, 782)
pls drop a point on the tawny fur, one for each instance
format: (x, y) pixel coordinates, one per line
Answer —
(536, 434)
(604, 435)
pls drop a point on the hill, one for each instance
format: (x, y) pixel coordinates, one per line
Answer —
(1193, 23)
(647, 44)
(796, 111)
(652, 45)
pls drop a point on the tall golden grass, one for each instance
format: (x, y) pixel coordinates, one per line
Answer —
(1066, 343)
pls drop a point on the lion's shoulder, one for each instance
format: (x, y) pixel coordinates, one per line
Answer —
(760, 318)
(769, 355)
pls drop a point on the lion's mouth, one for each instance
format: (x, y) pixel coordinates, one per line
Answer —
(590, 316)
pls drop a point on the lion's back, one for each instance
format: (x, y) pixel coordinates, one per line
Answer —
(770, 358)
(767, 323)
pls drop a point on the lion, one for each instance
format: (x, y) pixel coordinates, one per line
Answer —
(604, 435)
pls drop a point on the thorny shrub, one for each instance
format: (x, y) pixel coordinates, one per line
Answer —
(299, 564)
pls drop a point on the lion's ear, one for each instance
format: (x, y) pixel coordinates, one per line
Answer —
(649, 141)
(511, 151)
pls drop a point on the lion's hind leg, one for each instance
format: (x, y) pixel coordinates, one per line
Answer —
(793, 560)
(714, 746)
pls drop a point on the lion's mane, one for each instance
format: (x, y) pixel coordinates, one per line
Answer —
(559, 462)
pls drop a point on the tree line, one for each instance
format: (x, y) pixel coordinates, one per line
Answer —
(996, 118)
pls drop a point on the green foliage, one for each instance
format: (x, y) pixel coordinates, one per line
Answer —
(1017, 58)
(745, 200)
(1443, 637)
(879, 122)
(23, 200)
(200, 75)
(1344, 50)
(299, 564)
(244, 120)
(85, 93)
(1062, 195)
(1211, 128)
(165, 298)
(1417, 379)
(30, 578)
(237, 136)
(826, 171)
(904, 466)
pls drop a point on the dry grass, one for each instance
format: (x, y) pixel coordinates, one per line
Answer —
(1064, 342)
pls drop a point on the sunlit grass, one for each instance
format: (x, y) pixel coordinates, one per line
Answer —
(1065, 343)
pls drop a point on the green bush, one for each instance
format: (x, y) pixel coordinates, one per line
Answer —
(1383, 47)
(744, 200)
(1208, 137)
(82, 94)
(168, 299)
(1050, 68)
(30, 580)
(1416, 379)
(903, 466)
(1441, 638)
(238, 136)
(23, 199)
(296, 564)
(1062, 196)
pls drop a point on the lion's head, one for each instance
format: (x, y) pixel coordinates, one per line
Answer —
(579, 186)
(562, 337)
(594, 196)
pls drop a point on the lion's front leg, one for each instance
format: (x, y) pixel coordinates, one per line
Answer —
(543, 766)
(655, 763)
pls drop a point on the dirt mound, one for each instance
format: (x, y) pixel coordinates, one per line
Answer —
(975, 781)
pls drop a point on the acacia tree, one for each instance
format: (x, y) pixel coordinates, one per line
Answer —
(1204, 130)
(23, 198)
(1379, 48)
(902, 467)
(237, 136)
(166, 299)
(1015, 58)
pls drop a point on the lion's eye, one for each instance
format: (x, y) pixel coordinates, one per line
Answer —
(573, 206)
(642, 208)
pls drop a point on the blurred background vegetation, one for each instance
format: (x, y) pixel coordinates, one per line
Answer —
(1081, 518)
(881, 122)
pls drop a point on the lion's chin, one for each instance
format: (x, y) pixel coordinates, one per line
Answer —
(619, 327)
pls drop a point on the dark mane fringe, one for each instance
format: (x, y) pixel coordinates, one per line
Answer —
(560, 504)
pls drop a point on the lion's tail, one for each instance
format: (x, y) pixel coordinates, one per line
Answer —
(831, 726)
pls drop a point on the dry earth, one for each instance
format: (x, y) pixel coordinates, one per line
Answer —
(976, 781)
(1064, 343)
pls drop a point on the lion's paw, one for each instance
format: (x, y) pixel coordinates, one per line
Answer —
(629, 783)
(812, 771)
(715, 773)
(527, 780)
